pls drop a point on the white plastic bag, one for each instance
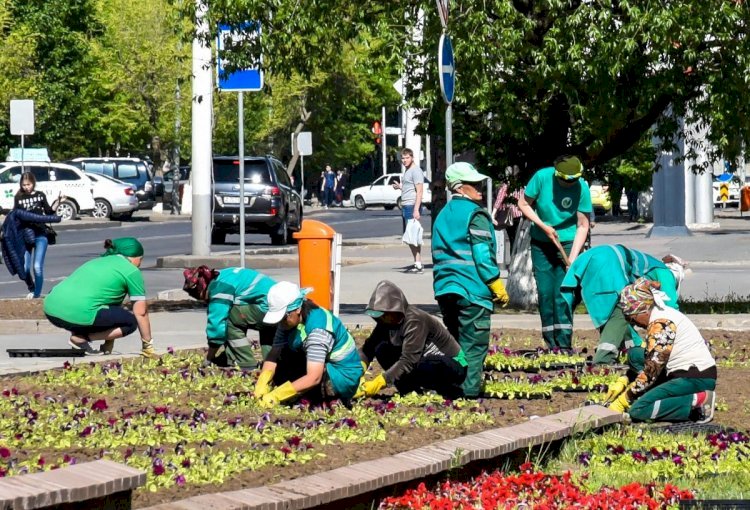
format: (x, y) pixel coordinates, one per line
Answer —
(413, 233)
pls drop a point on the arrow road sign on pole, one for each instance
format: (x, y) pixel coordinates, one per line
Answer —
(447, 68)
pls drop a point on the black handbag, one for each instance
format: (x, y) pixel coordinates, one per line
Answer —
(51, 234)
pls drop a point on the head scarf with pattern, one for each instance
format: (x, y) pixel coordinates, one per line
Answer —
(126, 246)
(638, 297)
(197, 280)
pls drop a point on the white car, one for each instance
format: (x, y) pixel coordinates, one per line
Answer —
(54, 179)
(112, 198)
(382, 192)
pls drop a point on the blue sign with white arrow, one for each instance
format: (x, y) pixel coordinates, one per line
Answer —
(446, 68)
(240, 80)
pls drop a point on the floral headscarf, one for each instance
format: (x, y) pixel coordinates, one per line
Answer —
(638, 297)
(197, 280)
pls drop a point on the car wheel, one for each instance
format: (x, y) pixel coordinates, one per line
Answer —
(281, 236)
(389, 207)
(359, 203)
(398, 202)
(67, 210)
(102, 209)
(218, 236)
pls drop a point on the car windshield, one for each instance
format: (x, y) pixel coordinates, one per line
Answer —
(256, 172)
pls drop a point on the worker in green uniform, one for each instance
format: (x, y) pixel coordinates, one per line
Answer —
(237, 301)
(466, 278)
(558, 203)
(88, 303)
(598, 276)
(313, 353)
(678, 380)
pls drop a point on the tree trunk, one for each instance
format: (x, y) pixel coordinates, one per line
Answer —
(521, 284)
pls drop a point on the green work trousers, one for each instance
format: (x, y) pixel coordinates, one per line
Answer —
(671, 400)
(469, 324)
(612, 335)
(549, 271)
(237, 348)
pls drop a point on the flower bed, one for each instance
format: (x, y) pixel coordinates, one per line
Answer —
(533, 489)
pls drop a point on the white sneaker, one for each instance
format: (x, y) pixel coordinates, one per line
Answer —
(706, 410)
(30, 295)
(85, 346)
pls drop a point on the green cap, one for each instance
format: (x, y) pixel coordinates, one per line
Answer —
(374, 313)
(462, 172)
(569, 168)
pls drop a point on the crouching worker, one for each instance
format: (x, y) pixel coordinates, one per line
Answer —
(414, 348)
(88, 303)
(598, 276)
(679, 377)
(313, 353)
(237, 302)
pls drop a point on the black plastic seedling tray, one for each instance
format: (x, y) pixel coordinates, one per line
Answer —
(45, 353)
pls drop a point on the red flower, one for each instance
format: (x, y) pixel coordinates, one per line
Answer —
(99, 405)
(4, 452)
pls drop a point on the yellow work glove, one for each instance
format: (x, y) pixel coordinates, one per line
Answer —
(280, 394)
(622, 403)
(372, 388)
(147, 349)
(614, 390)
(263, 386)
(498, 292)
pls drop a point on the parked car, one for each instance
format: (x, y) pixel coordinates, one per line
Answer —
(272, 206)
(131, 170)
(112, 198)
(382, 192)
(54, 179)
(600, 200)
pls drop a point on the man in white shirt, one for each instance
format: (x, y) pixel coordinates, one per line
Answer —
(412, 188)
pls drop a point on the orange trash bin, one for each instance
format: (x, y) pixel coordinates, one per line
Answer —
(745, 199)
(315, 241)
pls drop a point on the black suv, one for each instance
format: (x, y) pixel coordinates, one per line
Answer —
(272, 206)
(134, 171)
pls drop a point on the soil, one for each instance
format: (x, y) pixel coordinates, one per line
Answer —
(732, 409)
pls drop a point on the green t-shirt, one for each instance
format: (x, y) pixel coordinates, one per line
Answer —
(557, 205)
(97, 284)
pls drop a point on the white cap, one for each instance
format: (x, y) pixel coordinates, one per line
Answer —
(283, 297)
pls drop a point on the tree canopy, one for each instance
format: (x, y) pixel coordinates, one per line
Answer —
(537, 78)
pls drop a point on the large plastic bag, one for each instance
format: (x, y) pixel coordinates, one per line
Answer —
(521, 285)
(413, 233)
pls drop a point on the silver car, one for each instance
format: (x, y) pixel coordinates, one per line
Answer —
(112, 198)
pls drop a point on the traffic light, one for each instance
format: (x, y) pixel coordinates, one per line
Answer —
(377, 131)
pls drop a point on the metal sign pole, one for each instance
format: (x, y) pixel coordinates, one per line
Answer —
(241, 136)
(448, 135)
(23, 158)
(383, 145)
(302, 178)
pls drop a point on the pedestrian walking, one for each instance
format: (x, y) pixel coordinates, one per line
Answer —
(505, 212)
(313, 353)
(412, 192)
(414, 349)
(36, 234)
(466, 278)
(237, 301)
(176, 206)
(598, 276)
(329, 186)
(678, 379)
(88, 303)
(558, 203)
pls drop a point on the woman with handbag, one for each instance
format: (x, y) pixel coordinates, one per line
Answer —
(510, 215)
(37, 236)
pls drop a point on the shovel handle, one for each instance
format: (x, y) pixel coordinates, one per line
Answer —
(562, 251)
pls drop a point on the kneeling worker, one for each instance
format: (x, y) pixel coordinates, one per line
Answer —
(678, 380)
(416, 351)
(237, 302)
(313, 353)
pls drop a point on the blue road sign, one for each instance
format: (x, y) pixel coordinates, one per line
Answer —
(446, 68)
(241, 80)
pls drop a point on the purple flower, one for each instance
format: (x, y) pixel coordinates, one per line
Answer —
(677, 460)
(584, 458)
(4, 452)
(99, 405)
(179, 480)
(86, 432)
(158, 470)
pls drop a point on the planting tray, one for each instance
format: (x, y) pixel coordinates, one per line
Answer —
(714, 504)
(689, 428)
(45, 353)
